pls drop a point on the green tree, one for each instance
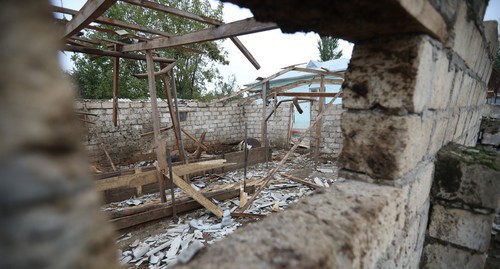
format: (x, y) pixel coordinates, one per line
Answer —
(496, 62)
(328, 47)
(193, 71)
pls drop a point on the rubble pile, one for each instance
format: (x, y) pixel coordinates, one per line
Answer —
(181, 240)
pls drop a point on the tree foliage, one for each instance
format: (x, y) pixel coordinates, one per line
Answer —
(327, 47)
(193, 71)
(496, 62)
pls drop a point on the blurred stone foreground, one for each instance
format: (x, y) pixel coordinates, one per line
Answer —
(49, 213)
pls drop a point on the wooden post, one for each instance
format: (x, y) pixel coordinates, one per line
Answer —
(160, 148)
(271, 174)
(171, 111)
(171, 182)
(319, 124)
(290, 126)
(181, 143)
(264, 115)
(116, 71)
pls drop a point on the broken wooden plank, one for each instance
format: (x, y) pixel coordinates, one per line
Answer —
(88, 13)
(164, 210)
(305, 182)
(198, 143)
(254, 85)
(197, 196)
(273, 171)
(149, 177)
(199, 150)
(242, 27)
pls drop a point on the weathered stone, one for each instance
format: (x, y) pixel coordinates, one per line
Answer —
(383, 146)
(336, 216)
(460, 227)
(438, 256)
(395, 65)
(468, 175)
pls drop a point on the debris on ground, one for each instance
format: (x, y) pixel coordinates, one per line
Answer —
(172, 242)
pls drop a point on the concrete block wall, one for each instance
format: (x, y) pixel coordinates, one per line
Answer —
(464, 198)
(331, 134)
(223, 123)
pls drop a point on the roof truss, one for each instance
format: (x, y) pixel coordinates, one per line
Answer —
(93, 9)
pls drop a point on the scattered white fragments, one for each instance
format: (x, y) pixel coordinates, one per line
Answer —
(186, 255)
(182, 240)
(139, 251)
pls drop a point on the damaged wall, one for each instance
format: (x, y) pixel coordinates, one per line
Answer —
(331, 134)
(406, 94)
(223, 124)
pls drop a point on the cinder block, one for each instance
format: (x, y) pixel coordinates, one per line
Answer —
(107, 104)
(123, 104)
(461, 227)
(437, 256)
(93, 104)
(383, 146)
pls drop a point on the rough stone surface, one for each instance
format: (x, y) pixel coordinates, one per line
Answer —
(396, 64)
(383, 146)
(460, 227)
(470, 176)
(348, 219)
(437, 256)
(50, 214)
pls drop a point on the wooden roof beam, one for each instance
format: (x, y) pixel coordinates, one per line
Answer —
(113, 22)
(319, 72)
(87, 14)
(195, 17)
(110, 53)
(242, 27)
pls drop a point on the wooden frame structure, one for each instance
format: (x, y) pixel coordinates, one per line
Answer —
(90, 14)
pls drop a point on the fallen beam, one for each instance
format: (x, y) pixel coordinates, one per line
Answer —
(305, 182)
(149, 177)
(163, 210)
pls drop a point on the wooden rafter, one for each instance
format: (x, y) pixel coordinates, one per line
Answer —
(319, 72)
(88, 13)
(255, 85)
(110, 53)
(308, 94)
(242, 27)
(195, 17)
(113, 22)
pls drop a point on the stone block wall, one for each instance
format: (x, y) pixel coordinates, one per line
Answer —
(224, 123)
(464, 197)
(490, 126)
(405, 96)
(331, 134)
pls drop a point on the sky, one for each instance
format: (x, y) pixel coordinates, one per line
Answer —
(272, 49)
